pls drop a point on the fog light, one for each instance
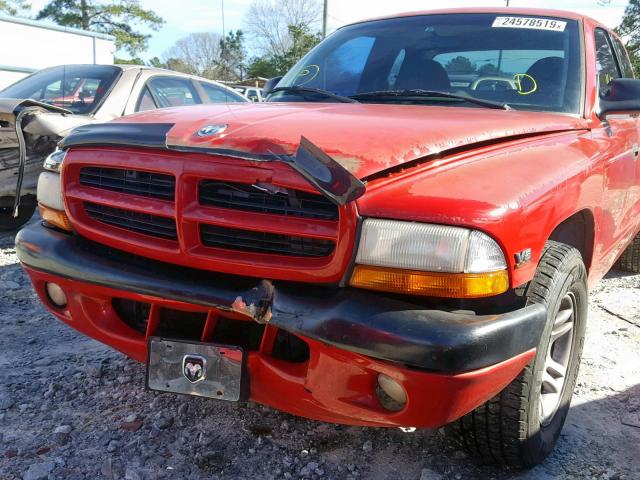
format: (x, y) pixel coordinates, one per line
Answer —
(56, 294)
(390, 393)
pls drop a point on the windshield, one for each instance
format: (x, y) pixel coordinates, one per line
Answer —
(528, 63)
(79, 88)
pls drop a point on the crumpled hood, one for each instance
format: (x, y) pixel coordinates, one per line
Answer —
(363, 138)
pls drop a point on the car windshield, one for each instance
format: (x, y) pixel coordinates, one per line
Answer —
(79, 88)
(524, 62)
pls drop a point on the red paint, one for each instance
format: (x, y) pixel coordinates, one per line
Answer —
(333, 386)
(515, 175)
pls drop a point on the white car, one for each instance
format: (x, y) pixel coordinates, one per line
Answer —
(254, 94)
(41, 109)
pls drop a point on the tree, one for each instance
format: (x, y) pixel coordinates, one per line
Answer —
(128, 61)
(14, 7)
(460, 65)
(302, 40)
(231, 63)
(262, 67)
(198, 54)
(488, 69)
(117, 18)
(629, 29)
(269, 23)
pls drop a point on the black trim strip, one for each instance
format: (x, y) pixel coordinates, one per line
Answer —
(146, 135)
(360, 321)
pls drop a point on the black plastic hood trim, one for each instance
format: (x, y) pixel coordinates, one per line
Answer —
(332, 180)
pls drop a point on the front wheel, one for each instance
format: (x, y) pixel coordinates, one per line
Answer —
(8, 222)
(520, 425)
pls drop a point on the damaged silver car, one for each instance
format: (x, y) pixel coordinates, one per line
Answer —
(40, 110)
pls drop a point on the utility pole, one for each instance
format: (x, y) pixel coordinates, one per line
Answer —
(324, 18)
(507, 2)
(222, 5)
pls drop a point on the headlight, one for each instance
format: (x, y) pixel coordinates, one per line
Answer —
(433, 260)
(50, 200)
(53, 162)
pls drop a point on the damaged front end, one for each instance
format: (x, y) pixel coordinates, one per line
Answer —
(29, 131)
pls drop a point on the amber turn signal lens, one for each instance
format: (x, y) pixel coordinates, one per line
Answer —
(55, 217)
(431, 284)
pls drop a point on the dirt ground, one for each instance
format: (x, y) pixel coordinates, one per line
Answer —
(72, 409)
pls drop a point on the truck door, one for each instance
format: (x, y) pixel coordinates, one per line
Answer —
(620, 163)
(633, 192)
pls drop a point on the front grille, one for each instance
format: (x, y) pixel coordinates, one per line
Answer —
(134, 182)
(264, 242)
(144, 223)
(289, 202)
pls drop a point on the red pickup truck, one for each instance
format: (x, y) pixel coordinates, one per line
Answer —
(404, 235)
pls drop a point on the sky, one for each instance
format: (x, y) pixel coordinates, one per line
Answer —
(188, 16)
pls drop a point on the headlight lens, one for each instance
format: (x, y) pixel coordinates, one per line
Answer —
(431, 248)
(429, 260)
(50, 191)
(53, 162)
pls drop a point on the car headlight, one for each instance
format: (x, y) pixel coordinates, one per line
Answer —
(53, 163)
(49, 192)
(432, 260)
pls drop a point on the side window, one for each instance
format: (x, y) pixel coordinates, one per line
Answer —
(173, 92)
(145, 102)
(623, 58)
(605, 62)
(218, 95)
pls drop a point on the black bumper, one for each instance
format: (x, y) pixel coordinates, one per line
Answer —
(351, 319)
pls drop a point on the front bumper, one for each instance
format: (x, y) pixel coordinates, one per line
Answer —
(448, 363)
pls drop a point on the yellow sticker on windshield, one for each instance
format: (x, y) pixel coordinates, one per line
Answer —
(525, 83)
(530, 23)
(307, 74)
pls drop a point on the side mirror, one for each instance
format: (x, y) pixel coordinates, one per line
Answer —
(271, 84)
(623, 97)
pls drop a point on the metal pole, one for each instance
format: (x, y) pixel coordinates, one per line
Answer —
(324, 18)
(223, 31)
(507, 2)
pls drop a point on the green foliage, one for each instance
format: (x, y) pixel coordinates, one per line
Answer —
(262, 67)
(629, 30)
(14, 7)
(116, 18)
(128, 61)
(302, 40)
(460, 65)
(231, 64)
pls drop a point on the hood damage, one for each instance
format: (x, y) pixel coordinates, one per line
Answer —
(328, 176)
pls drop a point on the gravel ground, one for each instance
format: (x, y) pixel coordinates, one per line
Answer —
(71, 408)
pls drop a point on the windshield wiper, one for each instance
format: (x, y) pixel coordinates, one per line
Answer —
(319, 91)
(417, 92)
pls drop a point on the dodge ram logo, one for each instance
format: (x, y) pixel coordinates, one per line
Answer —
(194, 367)
(211, 130)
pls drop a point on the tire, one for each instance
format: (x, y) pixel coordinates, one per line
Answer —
(629, 261)
(8, 222)
(520, 426)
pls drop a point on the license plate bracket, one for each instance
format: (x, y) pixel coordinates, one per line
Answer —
(195, 368)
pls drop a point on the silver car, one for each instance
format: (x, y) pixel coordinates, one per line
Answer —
(41, 109)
